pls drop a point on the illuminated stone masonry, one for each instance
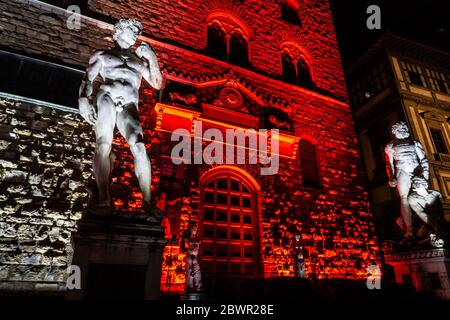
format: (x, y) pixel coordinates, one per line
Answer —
(45, 170)
(44, 164)
(247, 222)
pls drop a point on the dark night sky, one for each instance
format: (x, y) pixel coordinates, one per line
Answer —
(426, 21)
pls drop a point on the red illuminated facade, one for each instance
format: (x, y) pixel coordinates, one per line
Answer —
(249, 64)
(257, 64)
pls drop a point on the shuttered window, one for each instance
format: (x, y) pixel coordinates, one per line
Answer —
(438, 140)
(308, 164)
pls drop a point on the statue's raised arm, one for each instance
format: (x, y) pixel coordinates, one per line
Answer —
(152, 73)
(390, 167)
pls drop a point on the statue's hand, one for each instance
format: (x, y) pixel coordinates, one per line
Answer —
(393, 183)
(87, 110)
(144, 51)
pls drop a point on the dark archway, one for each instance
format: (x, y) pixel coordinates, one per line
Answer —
(238, 50)
(216, 45)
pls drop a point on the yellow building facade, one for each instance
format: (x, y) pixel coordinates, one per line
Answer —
(401, 80)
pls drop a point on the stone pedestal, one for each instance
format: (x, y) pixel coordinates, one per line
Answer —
(118, 259)
(427, 270)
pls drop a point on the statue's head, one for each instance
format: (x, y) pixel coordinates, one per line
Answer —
(126, 32)
(419, 182)
(400, 130)
(194, 230)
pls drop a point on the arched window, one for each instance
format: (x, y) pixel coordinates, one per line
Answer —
(228, 38)
(289, 72)
(238, 50)
(296, 65)
(304, 76)
(289, 13)
(308, 163)
(228, 227)
(216, 45)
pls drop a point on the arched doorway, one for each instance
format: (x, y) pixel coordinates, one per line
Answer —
(229, 228)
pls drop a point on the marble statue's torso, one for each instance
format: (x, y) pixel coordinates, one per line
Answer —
(405, 156)
(122, 75)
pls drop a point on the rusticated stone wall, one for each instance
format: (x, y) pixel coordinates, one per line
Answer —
(45, 159)
(45, 170)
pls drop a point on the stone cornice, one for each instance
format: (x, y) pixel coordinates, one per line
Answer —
(420, 254)
(249, 74)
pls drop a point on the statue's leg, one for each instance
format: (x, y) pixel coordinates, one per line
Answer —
(197, 277)
(418, 209)
(104, 132)
(189, 275)
(131, 130)
(404, 186)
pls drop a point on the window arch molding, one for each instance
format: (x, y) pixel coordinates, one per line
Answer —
(230, 26)
(294, 6)
(298, 56)
(237, 172)
(229, 23)
(217, 24)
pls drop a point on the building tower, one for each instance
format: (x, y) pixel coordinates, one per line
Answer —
(227, 64)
